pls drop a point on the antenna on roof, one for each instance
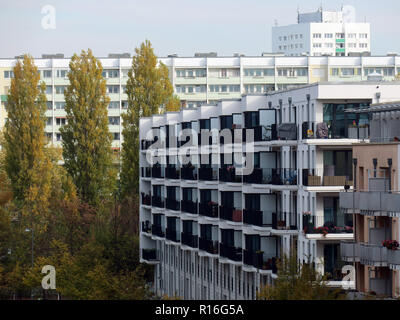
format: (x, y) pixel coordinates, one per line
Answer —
(298, 14)
(276, 23)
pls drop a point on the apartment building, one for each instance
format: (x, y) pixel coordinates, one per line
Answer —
(375, 204)
(214, 230)
(332, 33)
(203, 79)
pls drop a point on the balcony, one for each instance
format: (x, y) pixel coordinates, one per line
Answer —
(172, 204)
(231, 214)
(145, 172)
(316, 225)
(172, 173)
(230, 252)
(146, 199)
(208, 245)
(321, 177)
(188, 173)
(157, 202)
(228, 174)
(370, 201)
(189, 206)
(157, 172)
(209, 209)
(208, 174)
(258, 260)
(146, 226)
(284, 220)
(149, 254)
(172, 235)
(321, 130)
(369, 254)
(156, 230)
(190, 240)
(258, 218)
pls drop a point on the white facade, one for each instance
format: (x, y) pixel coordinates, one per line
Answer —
(322, 33)
(213, 235)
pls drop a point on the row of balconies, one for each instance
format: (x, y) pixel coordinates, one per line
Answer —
(369, 254)
(370, 201)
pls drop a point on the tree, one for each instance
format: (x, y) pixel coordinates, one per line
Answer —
(173, 104)
(149, 92)
(26, 162)
(298, 281)
(86, 139)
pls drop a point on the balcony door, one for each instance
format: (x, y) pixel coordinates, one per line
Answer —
(252, 242)
(252, 202)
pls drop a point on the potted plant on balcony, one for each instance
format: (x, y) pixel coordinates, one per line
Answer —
(322, 230)
(390, 244)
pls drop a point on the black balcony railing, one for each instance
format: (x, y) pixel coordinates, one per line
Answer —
(231, 214)
(149, 254)
(156, 230)
(207, 174)
(188, 173)
(172, 173)
(208, 245)
(146, 226)
(172, 204)
(209, 209)
(157, 172)
(258, 218)
(230, 252)
(172, 235)
(254, 259)
(262, 133)
(310, 223)
(284, 220)
(146, 199)
(255, 177)
(189, 206)
(228, 174)
(157, 202)
(146, 172)
(190, 240)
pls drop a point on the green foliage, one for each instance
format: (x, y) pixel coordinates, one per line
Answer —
(86, 139)
(149, 92)
(298, 281)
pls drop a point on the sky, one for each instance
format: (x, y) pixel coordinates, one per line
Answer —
(181, 27)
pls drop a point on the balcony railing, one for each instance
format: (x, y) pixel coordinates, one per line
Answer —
(190, 240)
(172, 204)
(370, 201)
(189, 206)
(321, 177)
(231, 214)
(172, 235)
(258, 218)
(369, 254)
(254, 259)
(146, 199)
(149, 254)
(228, 174)
(230, 252)
(157, 172)
(157, 202)
(284, 220)
(188, 173)
(156, 230)
(208, 245)
(209, 209)
(146, 226)
(172, 173)
(322, 131)
(316, 224)
(208, 174)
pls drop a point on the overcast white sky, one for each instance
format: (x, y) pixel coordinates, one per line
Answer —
(173, 26)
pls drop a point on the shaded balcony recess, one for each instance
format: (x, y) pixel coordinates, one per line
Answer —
(228, 174)
(190, 240)
(149, 254)
(189, 173)
(157, 171)
(325, 177)
(275, 220)
(230, 252)
(209, 209)
(316, 224)
(145, 172)
(146, 226)
(157, 230)
(208, 174)
(157, 202)
(172, 235)
(259, 260)
(231, 214)
(146, 199)
(189, 206)
(272, 176)
(172, 173)
(210, 246)
(172, 204)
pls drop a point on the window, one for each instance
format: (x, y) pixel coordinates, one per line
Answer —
(49, 89)
(114, 121)
(352, 45)
(363, 45)
(59, 105)
(58, 135)
(200, 89)
(112, 73)
(124, 104)
(339, 35)
(363, 35)
(46, 73)
(125, 73)
(60, 89)
(112, 89)
(328, 35)
(335, 71)
(61, 73)
(8, 74)
(328, 45)
(200, 72)
(382, 71)
(317, 45)
(49, 105)
(116, 136)
(49, 121)
(61, 121)
(316, 35)
(351, 35)
(113, 105)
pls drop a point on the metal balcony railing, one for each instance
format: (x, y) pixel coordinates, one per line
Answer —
(208, 209)
(146, 226)
(231, 214)
(208, 245)
(157, 230)
(230, 252)
(172, 204)
(189, 206)
(146, 199)
(157, 202)
(228, 174)
(172, 173)
(188, 173)
(149, 254)
(172, 235)
(190, 240)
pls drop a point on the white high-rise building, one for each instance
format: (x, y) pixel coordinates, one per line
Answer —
(332, 33)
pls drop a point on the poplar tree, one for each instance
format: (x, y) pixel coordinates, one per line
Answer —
(26, 162)
(86, 138)
(149, 91)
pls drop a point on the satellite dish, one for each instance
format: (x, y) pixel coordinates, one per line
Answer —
(349, 14)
